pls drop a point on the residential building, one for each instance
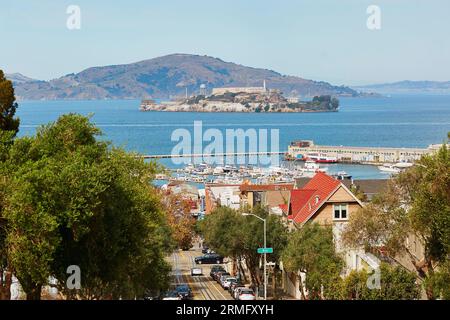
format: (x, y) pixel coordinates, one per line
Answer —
(224, 195)
(328, 202)
(266, 195)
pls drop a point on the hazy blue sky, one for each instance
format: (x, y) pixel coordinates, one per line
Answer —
(315, 39)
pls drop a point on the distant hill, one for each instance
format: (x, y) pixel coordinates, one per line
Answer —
(17, 78)
(166, 77)
(408, 87)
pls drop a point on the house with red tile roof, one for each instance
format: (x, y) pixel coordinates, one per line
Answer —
(324, 200)
(328, 202)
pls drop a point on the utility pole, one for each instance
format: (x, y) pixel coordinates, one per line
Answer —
(265, 261)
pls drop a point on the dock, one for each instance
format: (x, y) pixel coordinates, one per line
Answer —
(211, 155)
(359, 155)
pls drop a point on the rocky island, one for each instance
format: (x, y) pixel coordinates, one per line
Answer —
(245, 99)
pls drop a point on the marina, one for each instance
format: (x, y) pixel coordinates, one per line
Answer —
(287, 172)
(303, 160)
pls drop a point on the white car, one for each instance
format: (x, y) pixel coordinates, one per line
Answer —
(227, 282)
(247, 295)
(196, 272)
(235, 293)
(172, 295)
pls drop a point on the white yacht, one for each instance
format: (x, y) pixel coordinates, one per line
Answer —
(218, 170)
(312, 167)
(403, 165)
(389, 168)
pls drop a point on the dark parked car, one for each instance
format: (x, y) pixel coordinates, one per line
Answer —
(215, 269)
(220, 274)
(209, 259)
(183, 291)
(171, 295)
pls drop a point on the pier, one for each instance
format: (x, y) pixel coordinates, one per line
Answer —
(359, 155)
(211, 155)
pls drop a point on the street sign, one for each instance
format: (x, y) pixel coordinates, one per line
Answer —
(265, 250)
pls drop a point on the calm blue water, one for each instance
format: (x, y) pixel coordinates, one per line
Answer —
(398, 121)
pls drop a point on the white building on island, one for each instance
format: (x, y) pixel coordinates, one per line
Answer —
(250, 90)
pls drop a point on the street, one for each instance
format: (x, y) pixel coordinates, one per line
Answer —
(203, 287)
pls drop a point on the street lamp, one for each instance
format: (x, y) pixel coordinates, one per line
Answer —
(265, 254)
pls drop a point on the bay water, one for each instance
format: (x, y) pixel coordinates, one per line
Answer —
(395, 121)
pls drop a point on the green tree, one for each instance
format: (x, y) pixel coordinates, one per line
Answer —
(8, 106)
(74, 200)
(311, 250)
(5, 270)
(233, 235)
(416, 203)
(395, 284)
(8, 129)
(439, 281)
(334, 103)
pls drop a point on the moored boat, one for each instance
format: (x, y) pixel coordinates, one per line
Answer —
(389, 168)
(321, 158)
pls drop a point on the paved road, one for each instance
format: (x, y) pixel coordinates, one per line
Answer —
(203, 287)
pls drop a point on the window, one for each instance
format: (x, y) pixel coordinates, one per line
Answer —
(340, 211)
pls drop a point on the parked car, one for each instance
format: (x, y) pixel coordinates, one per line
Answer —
(227, 282)
(236, 291)
(234, 285)
(205, 247)
(209, 259)
(223, 277)
(151, 295)
(215, 269)
(219, 273)
(183, 291)
(171, 295)
(196, 272)
(246, 294)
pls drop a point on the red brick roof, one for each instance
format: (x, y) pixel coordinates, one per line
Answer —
(298, 200)
(312, 196)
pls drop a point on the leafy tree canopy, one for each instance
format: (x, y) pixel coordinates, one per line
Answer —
(311, 251)
(416, 203)
(72, 200)
(8, 106)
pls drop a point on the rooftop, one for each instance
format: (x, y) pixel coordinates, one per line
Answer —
(304, 202)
